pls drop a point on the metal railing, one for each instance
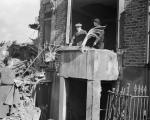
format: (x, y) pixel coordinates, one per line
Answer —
(123, 106)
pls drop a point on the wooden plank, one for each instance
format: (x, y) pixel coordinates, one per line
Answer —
(96, 100)
(54, 110)
(69, 9)
(120, 7)
(69, 48)
(148, 29)
(90, 65)
(62, 99)
(93, 100)
(89, 100)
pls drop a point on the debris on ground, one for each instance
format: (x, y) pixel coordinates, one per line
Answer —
(25, 108)
(23, 82)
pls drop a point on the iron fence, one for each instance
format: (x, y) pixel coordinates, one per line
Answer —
(123, 106)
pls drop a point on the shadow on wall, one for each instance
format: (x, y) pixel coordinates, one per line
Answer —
(134, 76)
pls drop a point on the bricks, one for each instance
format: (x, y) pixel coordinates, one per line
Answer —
(133, 32)
(60, 20)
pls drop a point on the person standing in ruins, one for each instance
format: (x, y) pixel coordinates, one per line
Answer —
(9, 95)
(95, 36)
(79, 35)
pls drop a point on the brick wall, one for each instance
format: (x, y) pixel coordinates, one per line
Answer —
(59, 17)
(41, 22)
(60, 21)
(133, 32)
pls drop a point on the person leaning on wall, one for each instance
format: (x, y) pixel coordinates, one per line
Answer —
(78, 36)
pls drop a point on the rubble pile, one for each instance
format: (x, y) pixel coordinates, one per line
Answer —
(19, 95)
(25, 108)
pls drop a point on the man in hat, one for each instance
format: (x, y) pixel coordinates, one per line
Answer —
(78, 36)
(95, 35)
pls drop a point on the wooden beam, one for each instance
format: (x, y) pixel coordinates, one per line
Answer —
(68, 20)
(120, 11)
(148, 30)
(54, 107)
(93, 100)
(62, 99)
(89, 100)
(96, 100)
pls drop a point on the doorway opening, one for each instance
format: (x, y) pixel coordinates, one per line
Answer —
(84, 11)
(76, 90)
(76, 98)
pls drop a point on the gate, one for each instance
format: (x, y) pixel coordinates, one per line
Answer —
(123, 106)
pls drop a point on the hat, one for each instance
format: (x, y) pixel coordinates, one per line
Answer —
(78, 25)
(97, 20)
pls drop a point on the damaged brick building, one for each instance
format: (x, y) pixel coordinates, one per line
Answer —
(127, 31)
